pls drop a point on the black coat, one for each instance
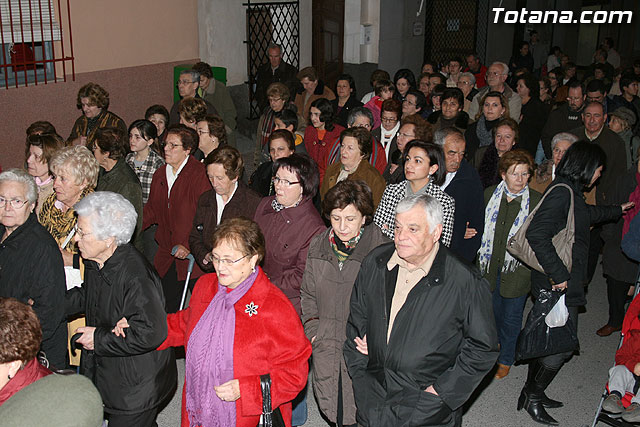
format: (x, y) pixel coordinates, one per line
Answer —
(444, 336)
(31, 268)
(467, 191)
(260, 180)
(342, 116)
(129, 373)
(534, 116)
(548, 221)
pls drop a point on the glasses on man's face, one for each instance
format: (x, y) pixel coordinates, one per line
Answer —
(14, 203)
(493, 73)
(389, 120)
(225, 261)
(184, 82)
(284, 182)
(406, 135)
(78, 231)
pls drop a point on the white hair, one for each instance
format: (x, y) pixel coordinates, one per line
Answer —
(110, 215)
(505, 67)
(563, 136)
(431, 206)
(471, 77)
(21, 176)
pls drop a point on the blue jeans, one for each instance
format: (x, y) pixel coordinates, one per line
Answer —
(508, 315)
(540, 156)
(299, 412)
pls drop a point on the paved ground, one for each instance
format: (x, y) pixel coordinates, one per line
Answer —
(579, 384)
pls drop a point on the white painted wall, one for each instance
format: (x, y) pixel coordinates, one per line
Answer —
(222, 32)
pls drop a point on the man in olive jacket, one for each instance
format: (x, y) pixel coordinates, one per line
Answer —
(421, 333)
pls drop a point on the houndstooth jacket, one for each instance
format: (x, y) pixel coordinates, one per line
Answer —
(386, 213)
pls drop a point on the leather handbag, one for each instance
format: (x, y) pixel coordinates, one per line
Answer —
(518, 246)
(269, 417)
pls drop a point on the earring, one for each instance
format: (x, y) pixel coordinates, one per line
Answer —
(9, 376)
(253, 268)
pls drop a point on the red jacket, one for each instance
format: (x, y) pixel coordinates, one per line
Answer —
(174, 215)
(271, 341)
(287, 235)
(629, 352)
(318, 149)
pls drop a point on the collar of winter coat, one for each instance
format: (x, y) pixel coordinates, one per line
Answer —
(113, 265)
(13, 237)
(436, 273)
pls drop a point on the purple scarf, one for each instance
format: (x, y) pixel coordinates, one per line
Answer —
(210, 358)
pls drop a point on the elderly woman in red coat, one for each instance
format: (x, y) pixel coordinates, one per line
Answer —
(173, 198)
(238, 326)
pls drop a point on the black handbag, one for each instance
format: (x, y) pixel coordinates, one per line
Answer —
(269, 418)
(537, 339)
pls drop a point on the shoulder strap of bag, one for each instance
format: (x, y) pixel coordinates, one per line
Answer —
(570, 216)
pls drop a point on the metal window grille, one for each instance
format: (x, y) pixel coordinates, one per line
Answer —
(36, 47)
(267, 23)
(457, 28)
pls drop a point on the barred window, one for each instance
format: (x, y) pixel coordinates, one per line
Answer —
(36, 42)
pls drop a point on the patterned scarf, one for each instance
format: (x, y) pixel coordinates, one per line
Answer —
(277, 206)
(209, 360)
(341, 249)
(59, 223)
(483, 132)
(267, 126)
(490, 219)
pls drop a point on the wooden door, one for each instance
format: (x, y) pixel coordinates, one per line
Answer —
(328, 39)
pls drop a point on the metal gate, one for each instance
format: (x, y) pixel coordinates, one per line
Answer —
(455, 28)
(267, 23)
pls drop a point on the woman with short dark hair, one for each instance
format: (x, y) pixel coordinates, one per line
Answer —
(144, 158)
(175, 190)
(93, 101)
(451, 112)
(355, 149)
(403, 79)
(580, 167)
(159, 116)
(212, 134)
(346, 99)
(281, 144)
(534, 113)
(507, 205)
(332, 265)
(425, 172)
(229, 198)
(321, 133)
(110, 148)
(39, 150)
(20, 337)
(505, 137)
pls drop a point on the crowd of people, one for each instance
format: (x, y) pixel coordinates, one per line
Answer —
(370, 239)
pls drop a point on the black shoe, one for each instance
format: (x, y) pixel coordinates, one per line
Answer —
(534, 407)
(547, 402)
(532, 397)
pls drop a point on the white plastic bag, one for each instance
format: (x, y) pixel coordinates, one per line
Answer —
(558, 315)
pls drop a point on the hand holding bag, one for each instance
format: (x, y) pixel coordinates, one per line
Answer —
(518, 246)
(269, 418)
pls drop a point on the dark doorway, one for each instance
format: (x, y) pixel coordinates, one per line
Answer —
(328, 39)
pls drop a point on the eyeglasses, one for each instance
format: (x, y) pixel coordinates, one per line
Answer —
(184, 82)
(494, 73)
(519, 175)
(203, 132)
(15, 203)
(172, 145)
(462, 82)
(224, 261)
(406, 135)
(388, 120)
(79, 232)
(284, 182)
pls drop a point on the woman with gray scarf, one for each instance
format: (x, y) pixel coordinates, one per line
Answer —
(480, 133)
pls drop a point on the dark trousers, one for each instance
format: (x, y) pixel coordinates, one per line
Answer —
(595, 247)
(141, 419)
(617, 295)
(555, 361)
(172, 288)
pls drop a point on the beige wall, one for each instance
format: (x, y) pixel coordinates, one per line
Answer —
(124, 33)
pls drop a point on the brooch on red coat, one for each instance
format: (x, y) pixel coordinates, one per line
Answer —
(251, 309)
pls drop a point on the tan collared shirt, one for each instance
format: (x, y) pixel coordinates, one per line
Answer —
(406, 281)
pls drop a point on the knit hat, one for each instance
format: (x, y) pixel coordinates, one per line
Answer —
(54, 401)
(623, 113)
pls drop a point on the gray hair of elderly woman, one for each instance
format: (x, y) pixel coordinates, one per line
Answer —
(357, 112)
(563, 136)
(470, 76)
(21, 176)
(110, 215)
(77, 160)
(431, 206)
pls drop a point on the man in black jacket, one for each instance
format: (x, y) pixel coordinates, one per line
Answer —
(463, 184)
(276, 70)
(421, 333)
(566, 117)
